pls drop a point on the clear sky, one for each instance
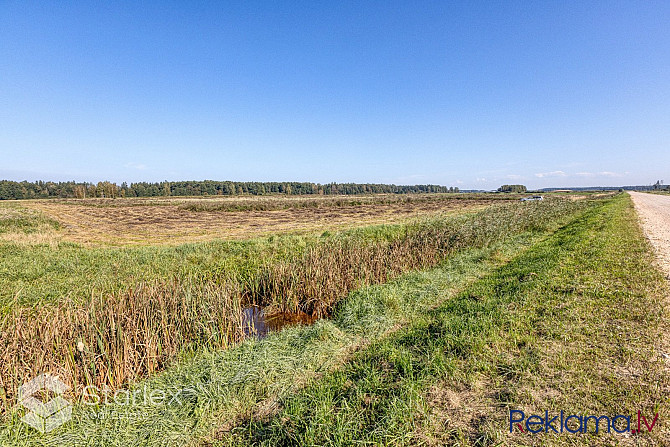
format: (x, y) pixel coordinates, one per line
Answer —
(468, 94)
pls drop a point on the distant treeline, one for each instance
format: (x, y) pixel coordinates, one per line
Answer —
(38, 190)
(608, 188)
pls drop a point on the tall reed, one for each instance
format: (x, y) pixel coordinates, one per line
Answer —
(316, 280)
(118, 338)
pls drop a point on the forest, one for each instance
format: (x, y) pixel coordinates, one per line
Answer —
(12, 190)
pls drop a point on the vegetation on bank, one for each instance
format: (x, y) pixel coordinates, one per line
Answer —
(571, 320)
(578, 322)
(219, 389)
(131, 332)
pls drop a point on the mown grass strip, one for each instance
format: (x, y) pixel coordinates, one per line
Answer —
(575, 323)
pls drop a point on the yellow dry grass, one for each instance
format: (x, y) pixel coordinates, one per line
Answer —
(165, 221)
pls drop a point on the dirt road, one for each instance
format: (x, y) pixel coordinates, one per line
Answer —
(654, 210)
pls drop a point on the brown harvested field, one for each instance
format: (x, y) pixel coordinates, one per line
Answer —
(170, 221)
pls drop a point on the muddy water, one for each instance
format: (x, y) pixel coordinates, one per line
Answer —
(257, 323)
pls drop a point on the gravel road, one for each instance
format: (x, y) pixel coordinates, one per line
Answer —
(654, 211)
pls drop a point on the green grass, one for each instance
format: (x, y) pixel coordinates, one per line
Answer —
(41, 274)
(573, 323)
(565, 315)
(132, 327)
(224, 389)
(45, 273)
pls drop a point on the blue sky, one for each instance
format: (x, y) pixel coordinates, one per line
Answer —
(469, 94)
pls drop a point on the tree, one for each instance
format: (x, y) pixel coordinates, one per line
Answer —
(512, 188)
(80, 191)
(107, 189)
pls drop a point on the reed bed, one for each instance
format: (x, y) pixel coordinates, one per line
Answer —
(315, 281)
(117, 338)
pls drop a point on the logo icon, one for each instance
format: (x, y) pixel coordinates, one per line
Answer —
(45, 415)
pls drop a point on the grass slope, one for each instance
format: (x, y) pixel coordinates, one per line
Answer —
(575, 323)
(221, 389)
(572, 320)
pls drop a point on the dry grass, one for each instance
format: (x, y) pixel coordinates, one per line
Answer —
(174, 221)
(116, 339)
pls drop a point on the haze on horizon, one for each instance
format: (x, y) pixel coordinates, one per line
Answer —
(451, 93)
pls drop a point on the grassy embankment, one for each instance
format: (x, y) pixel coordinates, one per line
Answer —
(248, 379)
(578, 322)
(39, 267)
(128, 334)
